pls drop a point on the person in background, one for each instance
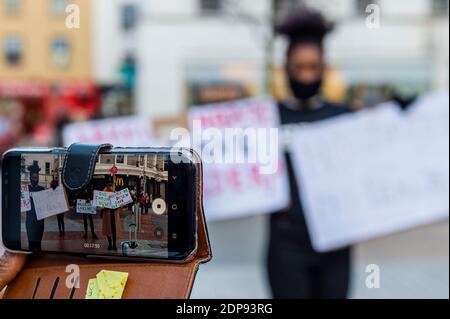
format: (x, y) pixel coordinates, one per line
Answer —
(53, 184)
(146, 202)
(35, 227)
(295, 269)
(143, 202)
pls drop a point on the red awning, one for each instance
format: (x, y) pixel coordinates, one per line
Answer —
(23, 88)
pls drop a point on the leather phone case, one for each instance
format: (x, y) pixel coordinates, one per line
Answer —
(44, 272)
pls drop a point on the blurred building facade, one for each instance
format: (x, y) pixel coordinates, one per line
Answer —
(37, 44)
(158, 57)
(195, 52)
(200, 51)
(45, 65)
(114, 61)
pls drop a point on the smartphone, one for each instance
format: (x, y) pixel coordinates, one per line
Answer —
(141, 204)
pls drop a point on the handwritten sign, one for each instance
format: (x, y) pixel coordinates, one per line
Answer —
(103, 199)
(49, 202)
(85, 207)
(374, 172)
(112, 200)
(232, 188)
(121, 198)
(25, 202)
(124, 131)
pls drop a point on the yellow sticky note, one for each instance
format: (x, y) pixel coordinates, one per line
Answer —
(111, 284)
(92, 289)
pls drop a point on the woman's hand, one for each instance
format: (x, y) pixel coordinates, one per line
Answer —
(10, 266)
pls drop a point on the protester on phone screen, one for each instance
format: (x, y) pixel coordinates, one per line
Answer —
(111, 221)
(35, 227)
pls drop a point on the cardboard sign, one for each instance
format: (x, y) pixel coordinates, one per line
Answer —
(112, 200)
(25, 202)
(103, 199)
(121, 198)
(231, 188)
(85, 207)
(124, 131)
(49, 202)
(374, 172)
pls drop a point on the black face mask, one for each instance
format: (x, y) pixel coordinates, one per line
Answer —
(304, 91)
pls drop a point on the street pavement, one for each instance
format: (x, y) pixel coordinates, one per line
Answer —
(412, 264)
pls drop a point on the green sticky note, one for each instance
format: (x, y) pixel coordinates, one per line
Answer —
(92, 289)
(111, 284)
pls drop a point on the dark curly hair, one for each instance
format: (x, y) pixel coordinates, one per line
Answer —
(304, 26)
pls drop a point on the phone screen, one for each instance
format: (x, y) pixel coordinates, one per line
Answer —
(124, 211)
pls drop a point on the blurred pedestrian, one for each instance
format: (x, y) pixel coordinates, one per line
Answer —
(144, 200)
(295, 269)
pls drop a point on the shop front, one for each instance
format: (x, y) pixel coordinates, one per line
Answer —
(39, 106)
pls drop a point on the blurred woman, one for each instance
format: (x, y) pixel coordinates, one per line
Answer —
(295, 269)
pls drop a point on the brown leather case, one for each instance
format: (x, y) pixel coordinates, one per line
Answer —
(145, 280)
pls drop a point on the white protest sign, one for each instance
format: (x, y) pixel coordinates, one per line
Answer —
(120, 198)
(103, 199)
(124, 131)
(234, 187)
(25, 203)
(85, 207)
(375, 172)
(49, 202)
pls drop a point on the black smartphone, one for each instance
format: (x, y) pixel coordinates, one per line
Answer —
(141, 204)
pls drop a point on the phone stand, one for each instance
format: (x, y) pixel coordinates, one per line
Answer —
(48, 276)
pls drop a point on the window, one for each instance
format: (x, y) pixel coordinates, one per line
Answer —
(210, 6)
(60, 52)
(129, 16)
(107, 159)
(120, 159)
(12, 7)
(58, 7)
(13, 50)
(439, 7)
(361, 6)
(133, 160)
(151, 161)
(47, 168)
